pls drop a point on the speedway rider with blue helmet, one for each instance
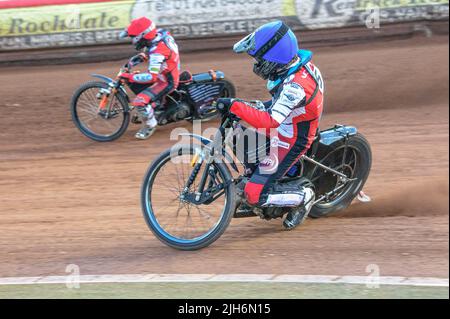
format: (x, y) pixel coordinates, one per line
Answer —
(297, 89)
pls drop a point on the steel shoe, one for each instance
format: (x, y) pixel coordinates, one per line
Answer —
(145, 133)
(298, 216)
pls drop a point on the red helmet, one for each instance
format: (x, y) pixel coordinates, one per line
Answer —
(142, 30)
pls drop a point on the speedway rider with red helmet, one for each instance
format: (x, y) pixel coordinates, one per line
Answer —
(297, 89)
(160, 50)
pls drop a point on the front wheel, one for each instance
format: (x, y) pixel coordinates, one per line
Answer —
(100, 123)
(172, 218)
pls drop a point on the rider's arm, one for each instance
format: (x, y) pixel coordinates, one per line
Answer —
(155, 63)
(260, 105)
(156, 58)
(290, 97)
(254, 117)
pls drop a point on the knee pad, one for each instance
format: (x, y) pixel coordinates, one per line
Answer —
(141, 101)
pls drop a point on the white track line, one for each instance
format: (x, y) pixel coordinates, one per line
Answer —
(208, 278)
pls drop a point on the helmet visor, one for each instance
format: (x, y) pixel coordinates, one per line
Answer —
(124, 34)
(246, 45)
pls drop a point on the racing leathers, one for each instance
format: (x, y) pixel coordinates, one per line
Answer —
(292, 120)
(162, 76)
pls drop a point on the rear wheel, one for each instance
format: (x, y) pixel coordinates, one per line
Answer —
(228, 91)
(101, 126)
(356, 165)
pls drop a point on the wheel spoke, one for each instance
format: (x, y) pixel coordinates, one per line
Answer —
(336, 161)
(87, 111)
(183, 220)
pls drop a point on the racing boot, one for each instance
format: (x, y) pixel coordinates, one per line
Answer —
(147, 115)
(298, 216)
(147, 131)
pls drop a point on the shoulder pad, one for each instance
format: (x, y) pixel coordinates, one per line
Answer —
(293, 93)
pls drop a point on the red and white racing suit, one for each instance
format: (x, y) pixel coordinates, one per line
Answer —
(163, 71)
(295, 112)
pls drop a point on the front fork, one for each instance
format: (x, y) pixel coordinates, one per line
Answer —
(106, 97)
(201, 187)
(200, 158)
(204, 193)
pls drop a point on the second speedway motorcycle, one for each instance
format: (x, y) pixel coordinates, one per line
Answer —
(101, 110)
(193, 190)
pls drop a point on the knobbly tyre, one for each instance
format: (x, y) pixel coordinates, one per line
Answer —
(101, 110)
(189, 194)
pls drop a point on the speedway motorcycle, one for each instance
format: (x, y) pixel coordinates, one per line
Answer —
(191, 192)
(101, 110)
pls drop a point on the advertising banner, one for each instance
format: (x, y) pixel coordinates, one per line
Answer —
(6, 4)
(63, 23)
(319, 14)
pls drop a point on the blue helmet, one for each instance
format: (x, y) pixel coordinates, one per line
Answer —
(274, 47)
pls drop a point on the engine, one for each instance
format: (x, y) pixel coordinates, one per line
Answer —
(174, 113)
(183, 111)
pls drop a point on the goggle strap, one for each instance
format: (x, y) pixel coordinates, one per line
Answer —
(145, 32)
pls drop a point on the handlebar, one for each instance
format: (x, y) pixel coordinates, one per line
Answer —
(225, 114)
(133, 61)
(126, 68)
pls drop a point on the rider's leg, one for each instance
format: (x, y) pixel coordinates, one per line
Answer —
(155, 94)
(297, 216)
(284, 154)
(143, 104)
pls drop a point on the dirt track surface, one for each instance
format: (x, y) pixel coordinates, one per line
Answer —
(67, 200)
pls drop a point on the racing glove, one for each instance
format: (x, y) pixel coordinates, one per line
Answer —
(223, 105)
(137, 59)
(126, 75)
